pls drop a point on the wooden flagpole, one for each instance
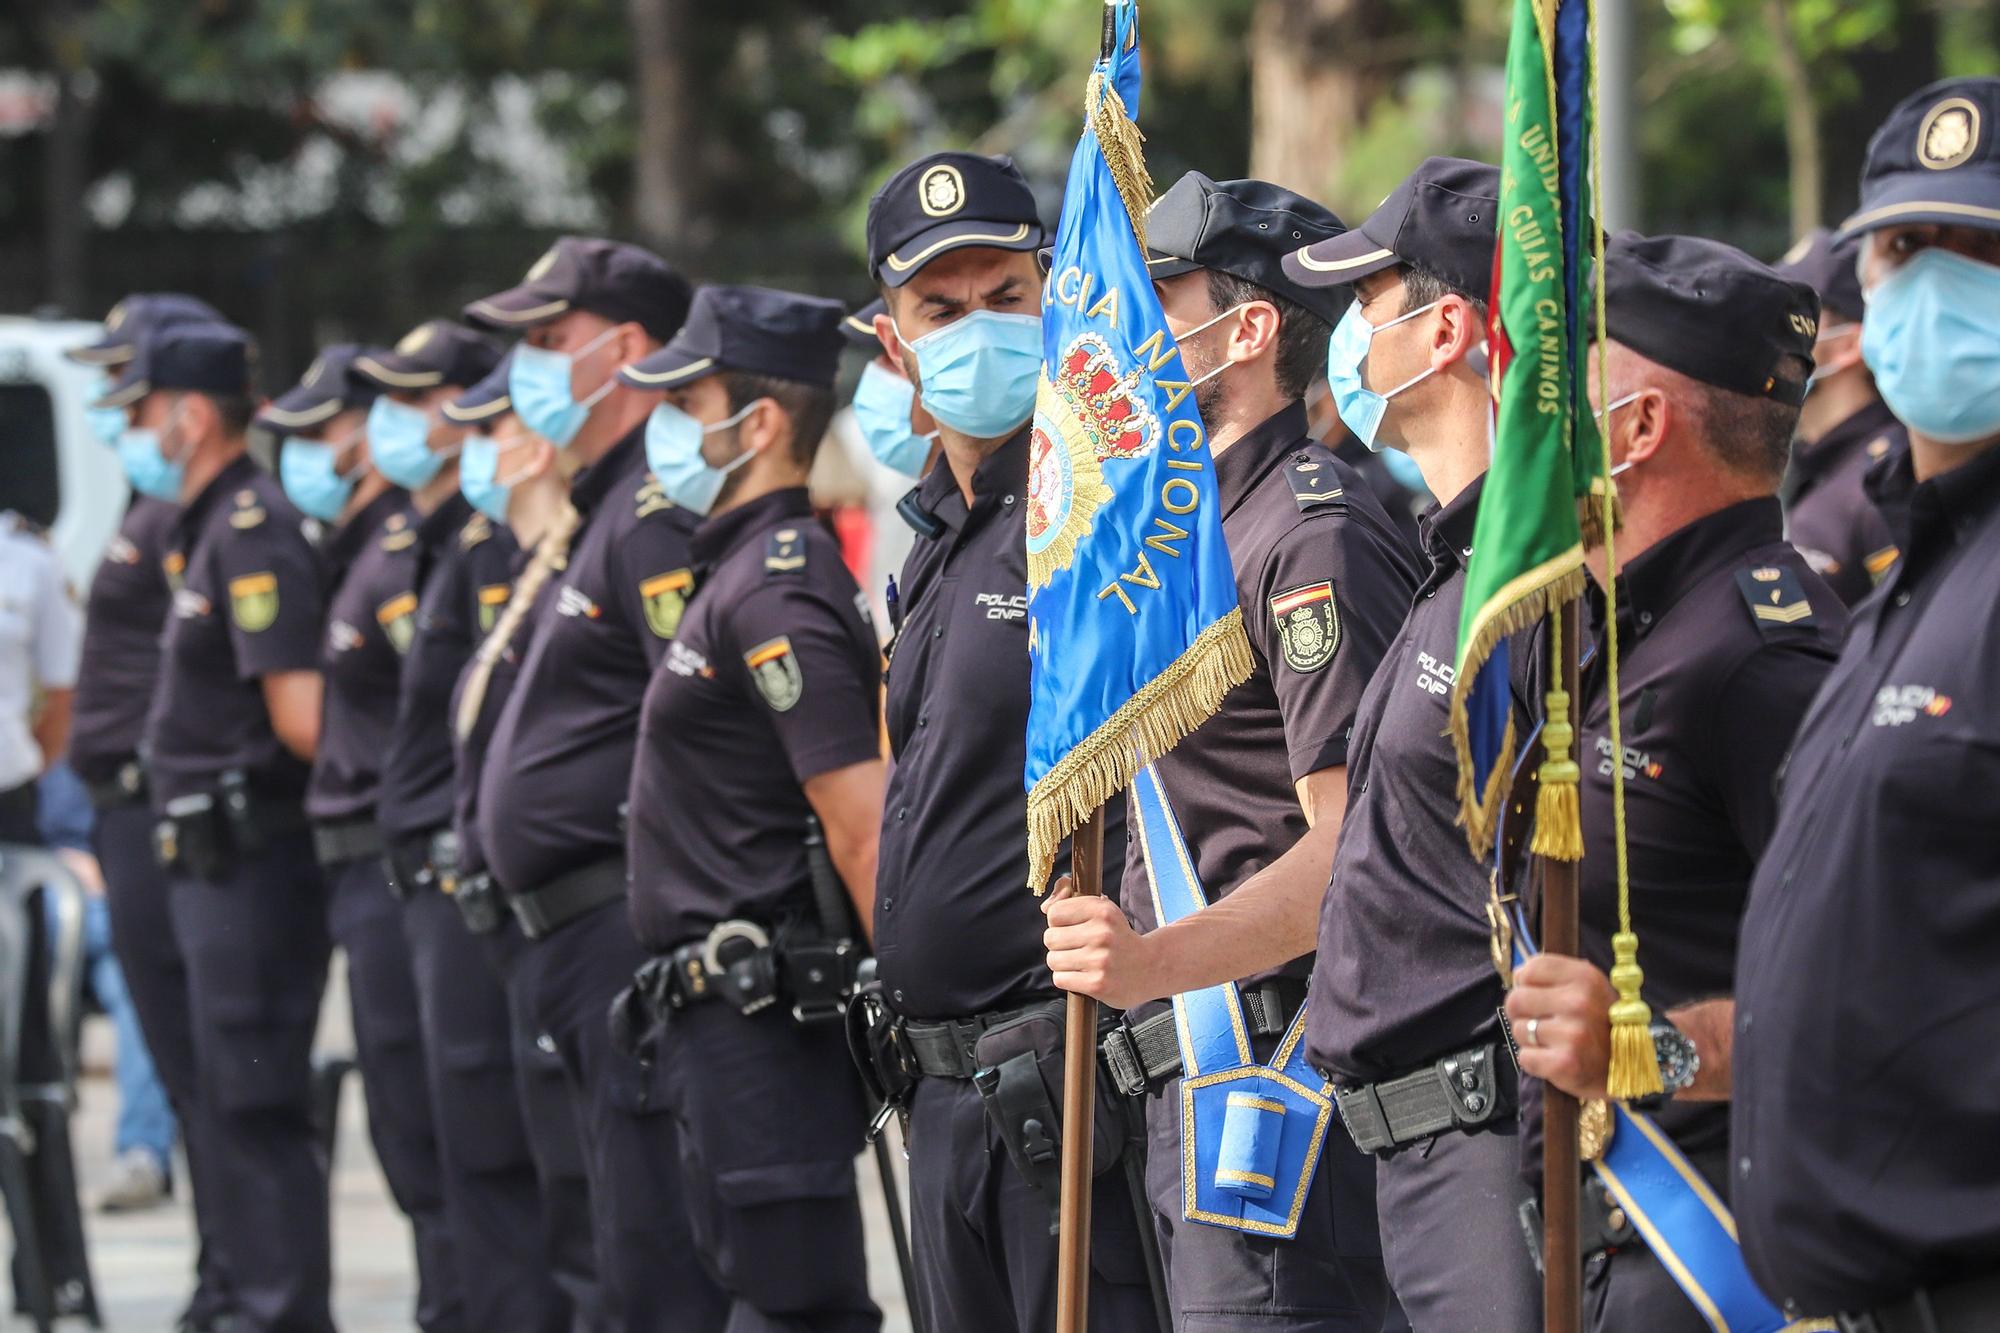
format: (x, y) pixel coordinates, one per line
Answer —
(1562, 1260)
(1079, 1106)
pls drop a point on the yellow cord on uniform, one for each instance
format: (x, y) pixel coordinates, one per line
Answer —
(1634, 1069)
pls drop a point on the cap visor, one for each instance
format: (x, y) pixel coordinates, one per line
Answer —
(517, 308)
(668, 367)
(1159, 266)
(467, 412)
(124, 392)
(921, 249)
(1339, 261)
(298, 410)
(101, 354)
(393, 371)
(1953, 199)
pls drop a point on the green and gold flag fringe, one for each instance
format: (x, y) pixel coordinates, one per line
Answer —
(1151, 722)
(1123, 146)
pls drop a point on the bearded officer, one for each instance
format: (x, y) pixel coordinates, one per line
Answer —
(229, 739)
(550, 803)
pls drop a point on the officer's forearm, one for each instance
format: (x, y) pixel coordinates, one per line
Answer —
(52, 724)
(293, 699)
(1711, 1025)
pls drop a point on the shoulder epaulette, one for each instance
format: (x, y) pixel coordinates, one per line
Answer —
(651, 497)
(476, 530)
(248, 513)
(1315, 485)
(786, 553)
(397, 534)
(920, 520)
(1775, 597)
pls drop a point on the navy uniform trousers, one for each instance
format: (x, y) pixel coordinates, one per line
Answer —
(980, 1241)
(771, 1117)
(255, 945)
(156, 977)
(563, 986)
(366, 923)
(492, 1196)
(1327, 1279)
(1451, 1229)
(1629, 1287)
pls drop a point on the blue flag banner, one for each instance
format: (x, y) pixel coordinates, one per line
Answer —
(1134, 629)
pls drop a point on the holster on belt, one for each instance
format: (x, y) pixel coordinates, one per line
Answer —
(194, 836)
(1020, 1080)
(881, 1049)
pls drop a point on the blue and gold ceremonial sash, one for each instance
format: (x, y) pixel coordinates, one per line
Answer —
(1251, 1133)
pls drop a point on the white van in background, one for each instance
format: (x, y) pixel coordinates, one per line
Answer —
(52, 469)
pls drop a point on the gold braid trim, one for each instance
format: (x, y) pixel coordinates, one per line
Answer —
(1123, 146)
(551, 554)
(1147, 725)
(1524, 600)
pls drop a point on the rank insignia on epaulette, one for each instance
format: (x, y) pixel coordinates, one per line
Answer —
(1878, 446)
(665, 599)
(1308, 623)
(787, 552)
(1313, 484)
(775, 668)
(248, 512)
(401, 540)
(652, 497)
(476, 530)
(1775, 596)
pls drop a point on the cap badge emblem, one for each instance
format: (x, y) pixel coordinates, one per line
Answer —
(1948, 135)
(115, 318)
(542, 266)
(942, 191)
(414, 341)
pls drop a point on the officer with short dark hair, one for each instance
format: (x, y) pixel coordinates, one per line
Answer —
(1405, 996)
(1724, 633)
(229, 741)
(551, 805)
(130, 596)
(1258, 789)
(1845, 430)
(756, 804)
(951, 244)
(1867, 1040)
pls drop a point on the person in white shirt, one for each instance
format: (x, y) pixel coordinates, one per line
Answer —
(41, 638)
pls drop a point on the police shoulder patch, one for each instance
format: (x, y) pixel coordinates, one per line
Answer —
(1308, 621)
(253, 602)
(775, 669)
(398, 619)
(665, 598)
(1314, 483)
(1775, 597)
(786, 552)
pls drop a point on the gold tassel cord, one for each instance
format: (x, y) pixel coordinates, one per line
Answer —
(1635, 1067)
(1558, 806)
(1148, 724)
(1119, 139)
(551, 555)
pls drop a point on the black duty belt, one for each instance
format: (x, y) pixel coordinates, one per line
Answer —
(1142, 1057)
(943, 1049)
(336, 842)
(1972, 1306)
(1460, 1092)
(568, 896)
(125, 787)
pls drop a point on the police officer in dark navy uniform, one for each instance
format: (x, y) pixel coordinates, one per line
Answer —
(1324, 579)
(130, 596)
(229, 741)
(756, 805)
(550, 801)
(1724, 633)
(951, 241)
(1845, 430)
(463, 569)
(1404, 980)
(370, 615)
(1867, 1044)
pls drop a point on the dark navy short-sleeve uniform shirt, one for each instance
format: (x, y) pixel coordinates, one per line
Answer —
(1828, 514)
(773, 679)
(129, 599)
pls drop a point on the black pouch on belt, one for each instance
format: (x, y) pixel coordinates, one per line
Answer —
(1020, 1080)
(194, 836)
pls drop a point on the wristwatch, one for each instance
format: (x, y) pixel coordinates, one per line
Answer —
(1679, 1063)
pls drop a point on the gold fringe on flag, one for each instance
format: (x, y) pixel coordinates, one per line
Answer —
(1148, 724)
(1119, 139)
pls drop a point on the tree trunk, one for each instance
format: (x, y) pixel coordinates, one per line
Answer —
(1801, 120)
(667, 173)
(1311, 86)
(67, 164)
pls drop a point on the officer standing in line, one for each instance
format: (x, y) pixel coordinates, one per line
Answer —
(765, 721)
(229, 741)
(550, 808)
(1867, 1053)
(1259, 788)
(511, 478)
(1405, 995)
(463, 568)
(1845, 430)
(951, 241)
(901, 436)
(370, 615)
(126, 609)
(1724, 634)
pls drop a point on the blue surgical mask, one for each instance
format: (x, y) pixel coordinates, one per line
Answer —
(979, 374)
(479, 475)
(882, 403)
(1361, 408)
(1933, 340)
(106, 423)
(1405, 471)
(673, 452)
(538, 383)
(399, 444)
(308, 470)
(149, 470)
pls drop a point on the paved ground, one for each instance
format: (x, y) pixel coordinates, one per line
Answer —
(142, 1262)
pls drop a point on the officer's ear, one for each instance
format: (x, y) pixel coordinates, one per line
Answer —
(1459, 330)
(892, 343)
(196, 418)
(634, 343)
(1257, 332)
(1647, 419)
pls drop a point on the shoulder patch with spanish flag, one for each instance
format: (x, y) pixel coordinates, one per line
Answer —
(665, 599)
(253, 602)
(493, 600)
(398, 619)
(775, 668)
(1308, 625)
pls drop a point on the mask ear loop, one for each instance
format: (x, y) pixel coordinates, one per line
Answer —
(1203, 328)
(603, 390)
